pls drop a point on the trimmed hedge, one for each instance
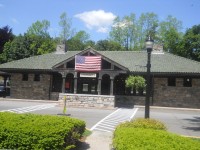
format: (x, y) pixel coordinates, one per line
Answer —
(44, 132)
(144, 123)
(127, 137)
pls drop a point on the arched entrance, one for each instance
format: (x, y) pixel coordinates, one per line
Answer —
(105, 85)
(69, 83)
(119, 84)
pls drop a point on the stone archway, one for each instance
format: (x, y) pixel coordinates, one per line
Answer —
(105, 85)
(69, 83)
(119, 84)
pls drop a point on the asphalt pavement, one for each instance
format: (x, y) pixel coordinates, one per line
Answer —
(184, 122)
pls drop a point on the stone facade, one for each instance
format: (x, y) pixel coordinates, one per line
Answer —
(30, 89)
(129, 101)
(176, 96)
(85, 100)
(163, 95)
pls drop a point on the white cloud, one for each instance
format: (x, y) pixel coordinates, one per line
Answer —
(103, 29)
(97, 19)
(14, 20)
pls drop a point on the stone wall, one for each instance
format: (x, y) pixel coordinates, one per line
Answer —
(84, 100)
(129, 101)
(176, 96)
(54, 96)
(30, 89)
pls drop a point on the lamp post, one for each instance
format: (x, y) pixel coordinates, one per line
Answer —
(149, 47)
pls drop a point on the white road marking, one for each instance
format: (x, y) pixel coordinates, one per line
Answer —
(30, 108)
(109, 123)
(104, 119)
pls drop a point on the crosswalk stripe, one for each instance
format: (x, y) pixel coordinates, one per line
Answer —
(30, 108)
(109, 123)
(102, 130)
(104, 119)
(106, 127)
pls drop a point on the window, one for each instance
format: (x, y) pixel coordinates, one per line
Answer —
(25, 77)
(85, 88)
(37, 77)
(187, 82)
(171, 81)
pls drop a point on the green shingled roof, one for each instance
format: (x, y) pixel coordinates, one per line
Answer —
(41, 62)
(136, 61)
(132, 60)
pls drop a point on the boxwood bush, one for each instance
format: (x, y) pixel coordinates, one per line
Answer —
(144, 123)
(132, 136)
(45, 132)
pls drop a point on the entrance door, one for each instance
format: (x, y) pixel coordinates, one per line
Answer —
(87, 85)
(105, 85)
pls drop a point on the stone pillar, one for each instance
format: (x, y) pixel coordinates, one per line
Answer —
(63, 81)
(111, 85)
(75, 82)
(99, 86)
(5, 79)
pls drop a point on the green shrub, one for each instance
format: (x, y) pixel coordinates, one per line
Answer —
(144, 123)
(30, 131)
(149, 134)
(129, 138)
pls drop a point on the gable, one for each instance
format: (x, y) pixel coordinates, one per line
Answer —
(107, 64)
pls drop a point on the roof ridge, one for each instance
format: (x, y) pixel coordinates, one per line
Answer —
(124, 51)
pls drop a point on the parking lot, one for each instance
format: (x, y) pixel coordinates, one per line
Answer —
(181, 121)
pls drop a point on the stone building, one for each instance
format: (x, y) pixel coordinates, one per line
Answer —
(175, 81)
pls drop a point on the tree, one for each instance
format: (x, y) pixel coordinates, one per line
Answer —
(106, 45)
(146, 25)
(190, 46)
(24, 46)
(5, 36)
(131, 33)
(39, 28)
(123, 31)
(74, 45)
(82, 36)
(79, 41)
(136, 83)
(65, 24)
(169, 34)
(89, 43)
(16, 49)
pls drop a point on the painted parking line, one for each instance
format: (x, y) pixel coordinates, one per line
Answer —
(30, 108)
(109, 123)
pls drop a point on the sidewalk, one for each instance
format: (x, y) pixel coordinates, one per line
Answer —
(99, 140)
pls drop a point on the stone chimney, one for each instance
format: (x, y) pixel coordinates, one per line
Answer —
(157, 49)
(60, 49)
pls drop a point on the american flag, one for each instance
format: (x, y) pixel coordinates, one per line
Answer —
(88, 63)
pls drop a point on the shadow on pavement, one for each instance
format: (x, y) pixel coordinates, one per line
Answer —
(195, 121)
(82, 146)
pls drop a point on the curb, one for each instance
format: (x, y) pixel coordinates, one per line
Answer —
(170, 108)
(138, 106)
(28, 100)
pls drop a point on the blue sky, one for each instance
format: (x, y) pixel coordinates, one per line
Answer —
(93, 16)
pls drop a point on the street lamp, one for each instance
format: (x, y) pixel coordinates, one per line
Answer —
(149, 47)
